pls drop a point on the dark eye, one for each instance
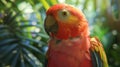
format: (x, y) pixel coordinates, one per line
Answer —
(64, 13)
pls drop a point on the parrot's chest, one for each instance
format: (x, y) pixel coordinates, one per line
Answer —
(68, 53)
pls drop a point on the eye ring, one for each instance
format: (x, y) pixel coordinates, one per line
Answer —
(63, 14)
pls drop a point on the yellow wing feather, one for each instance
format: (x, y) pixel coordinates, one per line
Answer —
(98, 47)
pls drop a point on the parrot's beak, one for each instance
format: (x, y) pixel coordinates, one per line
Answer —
(50, 25)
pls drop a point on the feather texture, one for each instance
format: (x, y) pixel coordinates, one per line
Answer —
(97, 53)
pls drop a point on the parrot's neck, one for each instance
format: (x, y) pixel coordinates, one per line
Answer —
(80, 42)
(77, 48)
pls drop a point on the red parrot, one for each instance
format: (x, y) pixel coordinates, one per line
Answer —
(70, 44)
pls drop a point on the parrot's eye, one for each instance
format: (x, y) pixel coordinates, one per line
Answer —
(63, 14)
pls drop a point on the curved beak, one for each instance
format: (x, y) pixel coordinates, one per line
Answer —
(50, 25)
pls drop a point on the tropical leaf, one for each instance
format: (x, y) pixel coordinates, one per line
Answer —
(18, 46)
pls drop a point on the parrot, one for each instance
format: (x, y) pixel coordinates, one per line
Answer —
(70, 43)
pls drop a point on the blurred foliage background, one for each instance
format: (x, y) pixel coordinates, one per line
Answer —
(23, 41)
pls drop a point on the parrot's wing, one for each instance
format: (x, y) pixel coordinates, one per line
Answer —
(46, 59)
(97, 53)
(46, 62)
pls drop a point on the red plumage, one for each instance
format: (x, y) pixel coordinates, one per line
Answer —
(69, 53)
(70, 44)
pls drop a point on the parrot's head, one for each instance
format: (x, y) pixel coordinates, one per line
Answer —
(64, 21)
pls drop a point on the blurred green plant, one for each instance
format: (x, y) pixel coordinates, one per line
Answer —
(22, 39)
